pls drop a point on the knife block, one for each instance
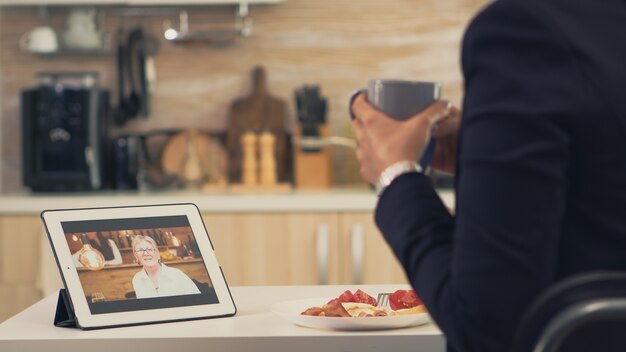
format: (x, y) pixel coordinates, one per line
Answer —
(313, 169)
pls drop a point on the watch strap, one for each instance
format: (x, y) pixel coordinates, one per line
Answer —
(394, 170)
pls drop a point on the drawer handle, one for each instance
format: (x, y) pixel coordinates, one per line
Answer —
(322, 239)
(358, 249)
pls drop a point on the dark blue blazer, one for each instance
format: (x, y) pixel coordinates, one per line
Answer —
(541, 169)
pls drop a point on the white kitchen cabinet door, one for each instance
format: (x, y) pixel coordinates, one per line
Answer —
(366, 258)
(276, 248)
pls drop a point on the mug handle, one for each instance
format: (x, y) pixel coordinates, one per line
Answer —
(352, 97)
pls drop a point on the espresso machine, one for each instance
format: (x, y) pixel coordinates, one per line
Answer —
(64, 133)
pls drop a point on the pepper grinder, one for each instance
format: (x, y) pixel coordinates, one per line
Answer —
(192, 167)
(268, 159)
(249, 162)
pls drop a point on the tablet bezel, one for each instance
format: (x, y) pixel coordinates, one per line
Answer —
(53, 220)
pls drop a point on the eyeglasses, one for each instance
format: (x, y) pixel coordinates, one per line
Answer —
(145, 250)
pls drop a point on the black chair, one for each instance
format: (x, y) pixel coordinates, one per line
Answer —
(584, 313)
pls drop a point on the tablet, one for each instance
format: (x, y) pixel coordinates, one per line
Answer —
(137, 265)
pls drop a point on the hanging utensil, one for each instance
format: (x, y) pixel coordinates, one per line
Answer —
(119, 112)
(133, 101)
(151, 47)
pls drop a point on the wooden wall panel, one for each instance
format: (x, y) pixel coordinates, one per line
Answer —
(337, 44)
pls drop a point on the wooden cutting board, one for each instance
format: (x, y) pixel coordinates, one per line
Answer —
(257, 112)
(195, 157)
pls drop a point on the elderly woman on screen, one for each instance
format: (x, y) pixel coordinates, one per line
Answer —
(156, 279)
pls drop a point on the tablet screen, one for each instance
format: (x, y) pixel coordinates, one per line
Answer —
(139, 263)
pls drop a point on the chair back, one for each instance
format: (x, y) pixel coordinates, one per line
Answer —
(583, 313)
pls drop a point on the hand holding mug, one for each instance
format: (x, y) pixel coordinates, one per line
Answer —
(446, 132)
(383, 141)
(402, 138)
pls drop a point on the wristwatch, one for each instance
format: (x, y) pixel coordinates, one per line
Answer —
(393, 171)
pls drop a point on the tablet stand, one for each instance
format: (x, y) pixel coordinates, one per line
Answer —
(64, 315)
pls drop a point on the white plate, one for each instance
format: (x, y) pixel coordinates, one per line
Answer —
(290, 310)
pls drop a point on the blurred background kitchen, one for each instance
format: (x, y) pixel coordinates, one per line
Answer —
(239, 107)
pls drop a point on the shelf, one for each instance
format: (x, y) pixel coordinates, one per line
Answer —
(199, 2)
(86, 52)
(330, 200)
(145, 8)
(131, 2)
(62, 2)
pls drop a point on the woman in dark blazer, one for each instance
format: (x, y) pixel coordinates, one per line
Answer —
(540, 167)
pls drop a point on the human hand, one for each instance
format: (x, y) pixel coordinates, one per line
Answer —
(446, 132)
(383, 141)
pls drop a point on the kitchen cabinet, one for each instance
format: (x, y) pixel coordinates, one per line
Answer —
(19, 263)
(300, 238)
(131, 2)
(254, 248)
(302, 249)
(276, 248)
(367, 258)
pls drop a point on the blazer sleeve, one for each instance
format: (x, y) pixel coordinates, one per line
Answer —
(478, 271)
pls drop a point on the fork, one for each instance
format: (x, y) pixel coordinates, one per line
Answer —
(383, 300)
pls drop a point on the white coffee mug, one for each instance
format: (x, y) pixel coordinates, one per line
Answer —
(82, 32)
(40, 40)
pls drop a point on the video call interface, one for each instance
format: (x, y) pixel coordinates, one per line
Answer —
(139, 263)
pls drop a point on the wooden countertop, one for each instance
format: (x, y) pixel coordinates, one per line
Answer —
(332, 200)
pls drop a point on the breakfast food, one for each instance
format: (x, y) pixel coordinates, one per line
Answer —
(413, 310)
(404, 299)
(364, 310)
(334, 308)
(360, 304)
(357, 297)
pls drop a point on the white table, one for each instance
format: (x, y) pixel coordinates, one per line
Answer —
(254, 328)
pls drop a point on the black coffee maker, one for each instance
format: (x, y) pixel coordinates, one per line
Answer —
(64, 133)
